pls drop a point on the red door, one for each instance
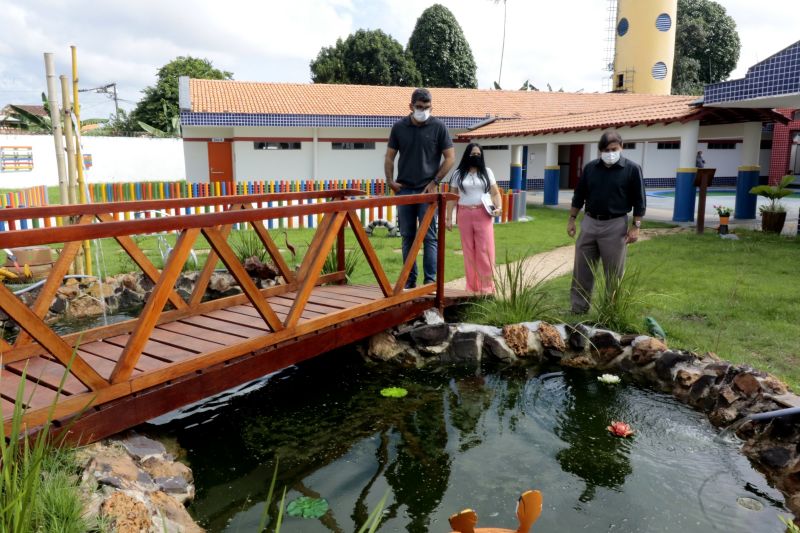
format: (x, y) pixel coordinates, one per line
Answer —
(575, 164)
(220, 163)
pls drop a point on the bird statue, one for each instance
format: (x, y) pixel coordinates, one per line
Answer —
(289, 246)
(529, 507)
(5, 273)
(654, 328)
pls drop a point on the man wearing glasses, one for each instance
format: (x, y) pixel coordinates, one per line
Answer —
(426, 156)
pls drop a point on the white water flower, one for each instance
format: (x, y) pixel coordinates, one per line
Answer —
(609, 379)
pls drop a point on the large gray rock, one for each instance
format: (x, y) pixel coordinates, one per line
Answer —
(667, 362)
(430, 334)
(465, 349)
(142, 448)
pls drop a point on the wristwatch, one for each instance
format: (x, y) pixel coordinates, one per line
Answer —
(637, 224)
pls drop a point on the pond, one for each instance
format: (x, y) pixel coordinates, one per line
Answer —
(464, 440)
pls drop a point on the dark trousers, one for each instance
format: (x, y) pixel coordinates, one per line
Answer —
(409, 217)
(599, 240)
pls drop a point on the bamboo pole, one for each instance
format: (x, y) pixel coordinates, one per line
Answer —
(87, 247)
(69, 136)
(55, 120)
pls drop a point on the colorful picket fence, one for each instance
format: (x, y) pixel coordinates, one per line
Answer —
(161, 190)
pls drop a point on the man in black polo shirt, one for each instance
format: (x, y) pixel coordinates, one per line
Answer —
(422, 141)
(609, 187)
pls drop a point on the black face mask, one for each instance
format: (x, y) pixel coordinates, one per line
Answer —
(475, 161)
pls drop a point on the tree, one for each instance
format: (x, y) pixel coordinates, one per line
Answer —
(160, 103)
(706, 46)
(366, 57)
(441, 51)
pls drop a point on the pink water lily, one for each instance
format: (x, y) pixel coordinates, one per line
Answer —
(620, 429)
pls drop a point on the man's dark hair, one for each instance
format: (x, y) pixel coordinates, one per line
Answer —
(420, 95)
(608, 137)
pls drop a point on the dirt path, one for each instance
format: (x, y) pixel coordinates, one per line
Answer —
(555, 263)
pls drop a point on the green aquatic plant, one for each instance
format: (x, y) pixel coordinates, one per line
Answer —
(394, 392)
(305, 507)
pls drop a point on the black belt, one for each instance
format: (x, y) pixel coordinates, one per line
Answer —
(604, 217)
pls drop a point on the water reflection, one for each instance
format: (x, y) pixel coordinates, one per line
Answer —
(593, 454)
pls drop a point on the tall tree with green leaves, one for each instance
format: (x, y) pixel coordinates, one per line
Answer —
(159, 106)
(707, 46)
(440, 50)
(366, 57)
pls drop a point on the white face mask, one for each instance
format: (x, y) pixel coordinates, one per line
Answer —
(422, 116)
(609, 158)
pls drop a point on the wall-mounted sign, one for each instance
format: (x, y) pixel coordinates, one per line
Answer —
(217, 139)
(16, 158)
(87, 161)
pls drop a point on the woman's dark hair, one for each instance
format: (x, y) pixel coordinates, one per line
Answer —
(463, 168)
(608, 137)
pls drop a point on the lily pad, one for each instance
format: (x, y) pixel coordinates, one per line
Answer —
(305, 507)
(394, 392)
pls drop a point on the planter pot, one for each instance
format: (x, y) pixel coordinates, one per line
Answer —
(772, 222)
(723, 220)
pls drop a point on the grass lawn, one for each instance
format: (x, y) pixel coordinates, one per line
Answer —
(739, 299)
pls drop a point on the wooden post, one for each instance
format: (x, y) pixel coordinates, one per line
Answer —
(440, 249)
(703, 180)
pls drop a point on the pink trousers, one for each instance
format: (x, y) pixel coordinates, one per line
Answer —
(477, 243)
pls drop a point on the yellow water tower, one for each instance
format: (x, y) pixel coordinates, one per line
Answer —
(645, 46)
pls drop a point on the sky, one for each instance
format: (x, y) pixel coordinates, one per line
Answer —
(560, 42)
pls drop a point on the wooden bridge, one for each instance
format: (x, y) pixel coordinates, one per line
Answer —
(180, 350)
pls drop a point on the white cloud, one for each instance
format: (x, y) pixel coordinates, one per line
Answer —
(559, 42)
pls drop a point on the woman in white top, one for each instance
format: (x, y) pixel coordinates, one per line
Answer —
(477, 195)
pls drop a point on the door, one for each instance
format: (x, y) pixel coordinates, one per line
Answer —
(575, 164)
(220, 163)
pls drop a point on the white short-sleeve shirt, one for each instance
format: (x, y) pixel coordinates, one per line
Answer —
(473, 187)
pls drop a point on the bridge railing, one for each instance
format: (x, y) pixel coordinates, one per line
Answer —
(337, 209)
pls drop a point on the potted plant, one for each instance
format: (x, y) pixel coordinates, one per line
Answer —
(773, 215)
(724, 213)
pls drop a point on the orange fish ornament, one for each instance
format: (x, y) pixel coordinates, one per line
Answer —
(529, 507)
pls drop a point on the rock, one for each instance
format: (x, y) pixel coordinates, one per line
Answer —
(685, 377)
(700, 388)
(495, 345)
(184, 282)
(728, 395)
(723, 416)
(627, 339)
(68, 290)
(72, 282)
(667, 361)
(101, 290)
(256, 269)
(126, 513)
(605, 346)
(775, 457)
(465, 348)
(59, 305)
(220, 282)
(142, 448)
(550, 337)
(646, 349)
(145, 283)
(129, 299)
(578, 337)
(131, 282)
(84, 306)
(385, 347)
(722, 371)
(176, 515)
(160, 467)
(579, 361)
(432, 317)
(747, 383)
(115, 468)
(521, 340)
(430, 334)
(774, 385)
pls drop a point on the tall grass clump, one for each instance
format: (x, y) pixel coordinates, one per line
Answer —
(519, 297)
(618, 301)
(246, 243)
(351, 260)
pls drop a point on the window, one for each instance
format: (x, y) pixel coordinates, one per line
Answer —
(620, 81)
(659, 70)
(258, 145)
(629, 146)
(663, 22)
(673, 145)
(721, 146)
(766, 144)
(496, 147)
(353, 146)
(622, 27)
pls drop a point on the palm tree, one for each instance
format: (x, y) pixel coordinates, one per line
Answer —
(503, 47)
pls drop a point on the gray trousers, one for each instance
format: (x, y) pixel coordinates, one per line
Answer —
(599, 240)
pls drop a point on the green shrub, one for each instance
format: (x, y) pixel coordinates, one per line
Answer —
(618, 301)
(351, 260)
(246, 243)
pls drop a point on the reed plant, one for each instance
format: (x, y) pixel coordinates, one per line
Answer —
(351, 262)
(519, 296)
(246, 244)
(618, 300)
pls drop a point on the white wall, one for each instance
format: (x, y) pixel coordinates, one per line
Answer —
(195, 155)
(114, 159)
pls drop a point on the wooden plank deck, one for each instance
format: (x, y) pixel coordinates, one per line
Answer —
(179, 350)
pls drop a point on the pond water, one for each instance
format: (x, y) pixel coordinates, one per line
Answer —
(464, 440)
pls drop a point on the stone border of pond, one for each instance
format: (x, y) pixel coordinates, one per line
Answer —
(727, 393)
